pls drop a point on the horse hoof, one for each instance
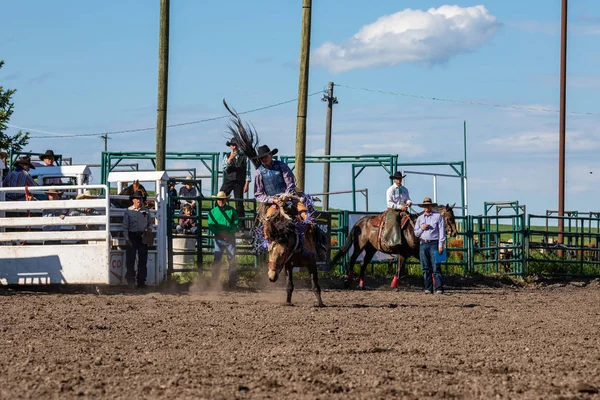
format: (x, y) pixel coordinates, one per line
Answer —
(288, 304)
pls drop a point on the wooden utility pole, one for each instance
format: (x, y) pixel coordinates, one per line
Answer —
(105, 138)
(163, 84)
(330, 102)
(303, 94)
(562, 123)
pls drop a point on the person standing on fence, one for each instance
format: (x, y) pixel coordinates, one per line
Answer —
(136, 221)
(429, 228)
(236, 178)
(223, 222)
(48, 158)
(397, 196)
(19, 177)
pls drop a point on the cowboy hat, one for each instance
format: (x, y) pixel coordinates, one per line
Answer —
(221, 195)
(230, 142)
(24, 161)
(397, 175)
(47, 154)
(137, 195)
(188, 179)
(427, 202)
(85, 195)
(264, 150)
(52, 191)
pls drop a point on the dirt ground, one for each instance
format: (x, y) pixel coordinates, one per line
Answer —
(532, 342)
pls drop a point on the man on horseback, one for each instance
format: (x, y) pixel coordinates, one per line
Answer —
(274, 184)
(397, 195)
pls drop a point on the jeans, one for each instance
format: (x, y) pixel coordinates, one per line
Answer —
(142, 252)
(222, 245)
(428, 266)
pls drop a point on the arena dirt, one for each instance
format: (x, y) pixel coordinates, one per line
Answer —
(529, 342)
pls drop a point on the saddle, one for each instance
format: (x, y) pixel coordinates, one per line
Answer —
(376, 221)
(388, 234)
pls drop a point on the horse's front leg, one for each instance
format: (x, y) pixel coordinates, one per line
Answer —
(400, 271)
(289, 286)
(314, 275)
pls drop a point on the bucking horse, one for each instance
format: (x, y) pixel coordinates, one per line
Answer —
(369, 236)
(292, 244)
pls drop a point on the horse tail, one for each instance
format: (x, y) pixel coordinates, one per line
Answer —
(345, 248)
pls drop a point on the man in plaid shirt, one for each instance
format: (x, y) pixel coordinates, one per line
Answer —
(19, 177)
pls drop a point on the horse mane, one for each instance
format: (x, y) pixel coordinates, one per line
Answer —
(281, 229)
(245, 136)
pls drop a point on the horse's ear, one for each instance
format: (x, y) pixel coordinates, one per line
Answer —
(452, 206)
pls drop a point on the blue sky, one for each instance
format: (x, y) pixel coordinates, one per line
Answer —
(88, 67)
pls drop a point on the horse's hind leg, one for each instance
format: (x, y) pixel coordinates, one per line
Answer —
(350, 274)
(289, 286)
(314, 275)
(369, 253)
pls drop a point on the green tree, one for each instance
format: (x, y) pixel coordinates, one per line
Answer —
(7, 142)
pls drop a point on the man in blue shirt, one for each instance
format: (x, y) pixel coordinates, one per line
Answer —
(432, 232)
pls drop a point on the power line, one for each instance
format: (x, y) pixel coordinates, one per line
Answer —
(53, 135)
(469, 102)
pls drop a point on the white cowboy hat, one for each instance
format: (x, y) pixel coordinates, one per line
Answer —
(221, 195)
(85, 195)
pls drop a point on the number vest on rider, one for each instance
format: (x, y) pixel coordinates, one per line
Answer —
(273, 179)
(236, 171)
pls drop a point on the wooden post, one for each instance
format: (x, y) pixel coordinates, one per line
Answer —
(163, 84)
(326, 170)
(303, 94)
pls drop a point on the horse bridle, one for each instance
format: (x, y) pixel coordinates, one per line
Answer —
(289, 253)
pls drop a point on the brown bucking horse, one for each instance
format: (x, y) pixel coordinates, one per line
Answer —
(286, 251)
(364, 236)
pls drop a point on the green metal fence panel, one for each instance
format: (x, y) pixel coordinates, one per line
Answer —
(497, 244)
(579, 255)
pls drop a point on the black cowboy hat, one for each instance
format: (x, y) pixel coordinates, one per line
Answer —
(264, 150)
(397, 175)
(137, 195)
(230, 142)
(24, 161)
(48, 154)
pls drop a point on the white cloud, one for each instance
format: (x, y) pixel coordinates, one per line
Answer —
(545, 142)
(432, 36)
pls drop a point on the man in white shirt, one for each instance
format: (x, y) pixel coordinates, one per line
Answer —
(397, 195)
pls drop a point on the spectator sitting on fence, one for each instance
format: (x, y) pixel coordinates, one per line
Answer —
(19, 177)
(172, 193)
(222, 222)
(48, 158)
(188, 190)
(187, 223)
(53, 195)
(81, 212)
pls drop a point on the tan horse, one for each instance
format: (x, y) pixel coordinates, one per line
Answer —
(286, 252)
